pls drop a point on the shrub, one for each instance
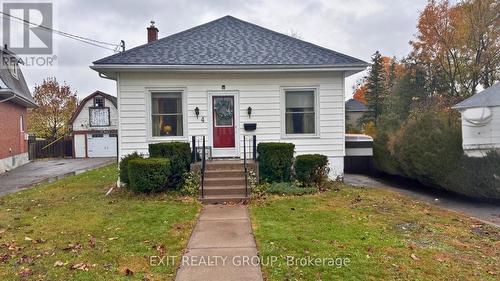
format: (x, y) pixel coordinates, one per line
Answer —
(180, 155)
(260, 189)
(275, 161)
(312, 169)
(287, 188)
(191, 183)
(148, 174)
(476, 177)
(124, 165)
(428, 146)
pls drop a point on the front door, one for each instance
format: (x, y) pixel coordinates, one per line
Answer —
(223, 121)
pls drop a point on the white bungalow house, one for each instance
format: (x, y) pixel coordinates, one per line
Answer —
(216, 79)
(95, 126)
(481, 122)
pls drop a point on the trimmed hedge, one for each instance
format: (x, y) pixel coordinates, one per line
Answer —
(311, 169)
(427, 147)
(179, 154)
(476, 176)
(148, 175)
(124, 166)
(275, 161)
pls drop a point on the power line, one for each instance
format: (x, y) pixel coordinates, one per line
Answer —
(69, 35)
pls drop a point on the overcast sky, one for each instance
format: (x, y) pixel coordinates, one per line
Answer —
(357, 28)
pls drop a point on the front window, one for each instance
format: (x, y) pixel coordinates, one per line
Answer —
(300, 112)
(167, 114)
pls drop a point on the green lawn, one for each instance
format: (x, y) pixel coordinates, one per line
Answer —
(69, 230)
(384, 235)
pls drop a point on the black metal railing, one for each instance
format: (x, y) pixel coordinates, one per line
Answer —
(252, 152)
(195, 143)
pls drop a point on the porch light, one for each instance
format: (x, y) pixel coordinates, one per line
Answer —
(249, 111)
(197, 112)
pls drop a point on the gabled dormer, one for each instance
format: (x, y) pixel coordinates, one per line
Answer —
(12, 83)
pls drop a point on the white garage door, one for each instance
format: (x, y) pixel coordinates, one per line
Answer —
(101, 145)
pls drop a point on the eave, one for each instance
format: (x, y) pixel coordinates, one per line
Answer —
(110, 70)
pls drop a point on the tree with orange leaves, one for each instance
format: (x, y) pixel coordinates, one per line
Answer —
(56, 103)
(459, 45)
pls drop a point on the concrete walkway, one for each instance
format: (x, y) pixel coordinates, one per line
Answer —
(47, 170)
(486, 212)
(221, 242)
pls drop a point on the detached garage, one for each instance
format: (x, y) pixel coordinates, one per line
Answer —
(95, 127)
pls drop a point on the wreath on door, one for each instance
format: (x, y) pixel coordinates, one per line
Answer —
(224, 109)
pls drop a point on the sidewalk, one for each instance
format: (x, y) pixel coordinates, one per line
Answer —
(223, 236)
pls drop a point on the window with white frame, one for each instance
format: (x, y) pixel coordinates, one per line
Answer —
(300, 112)
(166, 114)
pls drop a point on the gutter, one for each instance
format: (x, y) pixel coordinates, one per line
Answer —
(9, 98)
(14, 95)
(229, 68)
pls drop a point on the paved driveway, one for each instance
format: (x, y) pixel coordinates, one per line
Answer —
(487, 212)
(47, 170)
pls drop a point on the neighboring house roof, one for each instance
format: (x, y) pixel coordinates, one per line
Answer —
(12, 88)
(487, 97)
(80, 107)
(230, 42)
(353, 105)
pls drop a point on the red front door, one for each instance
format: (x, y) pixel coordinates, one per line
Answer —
(223, 120)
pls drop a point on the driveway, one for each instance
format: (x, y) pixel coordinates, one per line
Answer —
(47, 170)
(487, 212)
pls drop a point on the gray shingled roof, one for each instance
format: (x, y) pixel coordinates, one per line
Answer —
(354, 105)
(230, 41)
(10, 85)
(487, 97)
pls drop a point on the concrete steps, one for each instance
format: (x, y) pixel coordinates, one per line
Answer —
(224, 182)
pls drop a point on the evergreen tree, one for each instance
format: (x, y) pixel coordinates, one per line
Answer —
(376, 89)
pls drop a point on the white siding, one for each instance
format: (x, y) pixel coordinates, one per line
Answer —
(260, 91)
(81, 122)
(479, 140)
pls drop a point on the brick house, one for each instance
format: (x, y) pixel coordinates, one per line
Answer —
(15, 99)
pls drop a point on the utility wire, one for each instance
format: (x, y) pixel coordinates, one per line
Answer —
(68, 35)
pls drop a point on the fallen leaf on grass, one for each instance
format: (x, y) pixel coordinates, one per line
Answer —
(2, 230)
(59, 263)
(92, 241)
(128, 272)
(25, 272)
(73, 247)
(27, 239)
(414, 257)
(13, 247)
(112, 238)
(25, 259)
(4, 257)
(81, 266)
